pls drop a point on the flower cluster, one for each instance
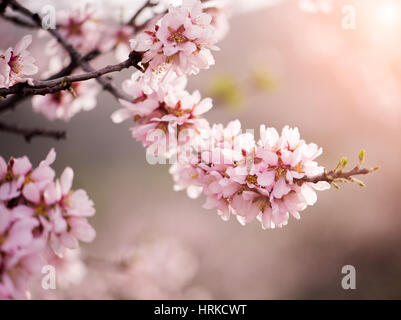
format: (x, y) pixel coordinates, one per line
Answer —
(264, 179)
(37, 212)
(180, 41)
(253, 179)
(16, 63)
(163, 113)
(87, 29)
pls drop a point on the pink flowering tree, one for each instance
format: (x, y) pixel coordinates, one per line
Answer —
(42, 218)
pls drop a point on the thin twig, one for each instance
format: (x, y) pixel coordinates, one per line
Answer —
(30, 133)
(332, 176)
(147, 4)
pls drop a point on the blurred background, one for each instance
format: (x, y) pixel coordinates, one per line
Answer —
(283, 62)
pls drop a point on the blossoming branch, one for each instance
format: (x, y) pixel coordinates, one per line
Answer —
(267, 179)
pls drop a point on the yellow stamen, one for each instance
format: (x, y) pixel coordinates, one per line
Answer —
(252, 179)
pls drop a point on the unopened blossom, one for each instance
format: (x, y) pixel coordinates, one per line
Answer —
(17, 63)
(67, 103)
(180, 41)
(37, 212)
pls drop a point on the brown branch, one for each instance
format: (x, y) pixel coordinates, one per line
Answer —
(43, 87)
(74, 54)
(18, 21)
(337, 175)
(11, 102)
(30, 133)
(75, 64)
(76, 59)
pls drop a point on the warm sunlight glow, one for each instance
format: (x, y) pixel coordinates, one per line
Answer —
(389, 13)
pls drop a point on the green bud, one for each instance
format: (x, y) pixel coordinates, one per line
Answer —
(375, 169)
(358, 182)
(72, 91)
(341, 164)
(361, 157)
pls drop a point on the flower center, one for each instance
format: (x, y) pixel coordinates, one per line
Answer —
(16, 64)
(27, 179)
(40, 210)
(75, 28)
(177, 35)
(8, 177)
(252, 179)
(299, 168)
(280, 172)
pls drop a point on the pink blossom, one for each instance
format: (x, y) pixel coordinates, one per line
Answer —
(180, 41)
(12, 177)
(64, 105)
(19, 251)
(253, 180)
(36, 211)
(68, 221)
(17, 63)
(80, 26)
(161, 113)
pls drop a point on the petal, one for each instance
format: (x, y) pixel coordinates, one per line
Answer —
(3, 167)
(9, 190)
(31, 193)
(268, 156)
(194, 191)
(50, 158)
(266, 178)
(51, 194)
(43, 173)
(321, 185)
(69, 241)
(309, 194)
(204, 106)
(81, 229)
(120, 115)
(22, 166)
(66, 180)
(280, 189)
(22, 44)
